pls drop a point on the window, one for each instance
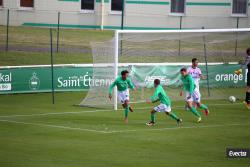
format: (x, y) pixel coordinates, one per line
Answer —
(87, 4)
(239, 7)
(1, 2)
(27, 3)
(116, 5)
(178, 6)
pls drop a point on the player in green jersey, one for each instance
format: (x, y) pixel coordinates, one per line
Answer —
(192, 94)
(164, 106)
(123, 84)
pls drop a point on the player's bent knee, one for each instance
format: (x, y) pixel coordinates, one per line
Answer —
(189, 105)
(153, 111)
(123, 105)
(126, 102)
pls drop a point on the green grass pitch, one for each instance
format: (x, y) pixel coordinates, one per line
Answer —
(35, 133)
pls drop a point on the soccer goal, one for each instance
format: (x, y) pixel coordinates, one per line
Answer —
(151, 54)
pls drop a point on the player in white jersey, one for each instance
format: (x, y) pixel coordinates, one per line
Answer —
(196, 74)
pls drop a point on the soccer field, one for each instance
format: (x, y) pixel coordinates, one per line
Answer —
(35, 133)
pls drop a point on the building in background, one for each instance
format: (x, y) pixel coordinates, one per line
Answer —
(137, 14)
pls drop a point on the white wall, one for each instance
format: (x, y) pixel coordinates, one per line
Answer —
(136, 15)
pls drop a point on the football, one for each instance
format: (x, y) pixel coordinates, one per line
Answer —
(232, 99)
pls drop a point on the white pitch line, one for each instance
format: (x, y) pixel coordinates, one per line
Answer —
(53, 113)
(54, 126)
(180, 127)
(92, 111)
(121, 131)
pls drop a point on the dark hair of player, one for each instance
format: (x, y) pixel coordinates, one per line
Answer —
(157, 82)
(124, 72)
(194, 60)
(183, 70)
(248, 51)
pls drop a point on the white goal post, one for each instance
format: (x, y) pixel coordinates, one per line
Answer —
(149, 54)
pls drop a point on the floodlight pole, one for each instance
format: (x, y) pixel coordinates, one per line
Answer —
(122, 21)
(116, 54)
(52, 67)
(58, 31)
(7, 30)
(205, 56)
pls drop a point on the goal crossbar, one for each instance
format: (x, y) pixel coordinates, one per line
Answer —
(185, 31)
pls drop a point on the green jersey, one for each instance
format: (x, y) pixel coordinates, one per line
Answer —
(121, 84)
(188, 83)
(161, 95)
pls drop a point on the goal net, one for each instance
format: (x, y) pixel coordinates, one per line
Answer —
(152, 54)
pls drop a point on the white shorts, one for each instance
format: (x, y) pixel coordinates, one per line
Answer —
(123, 96)
(162, 108)
(197, 87)
(195, 96)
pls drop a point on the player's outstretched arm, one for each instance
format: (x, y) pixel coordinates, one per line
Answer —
(155, 97)
(131, 85)
(244, 63)
(111, 87)
(181, 85)
(150, 100)
(110, 96)
(203, 77)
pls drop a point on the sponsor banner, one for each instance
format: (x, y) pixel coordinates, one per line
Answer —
(221, 75)
(26, 80)
(38, 79)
